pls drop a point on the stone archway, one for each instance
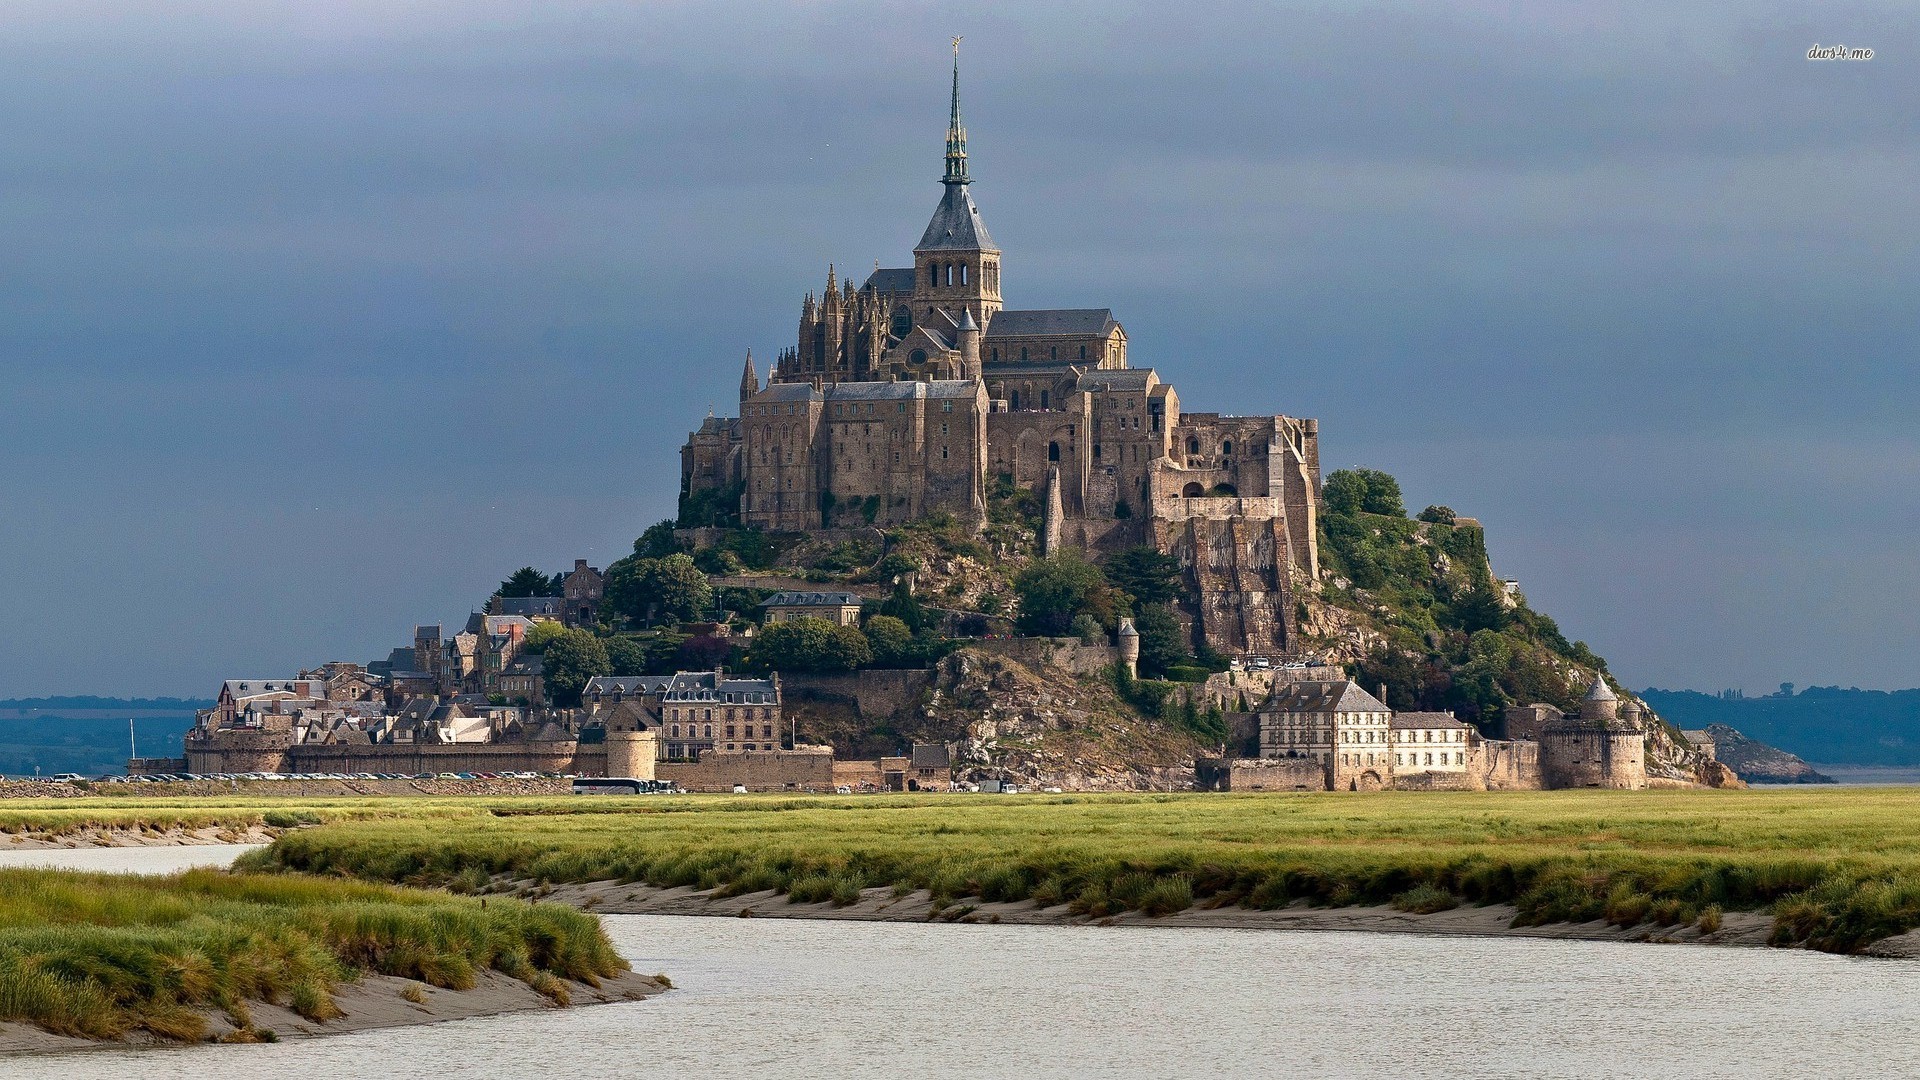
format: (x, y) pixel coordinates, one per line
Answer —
(1368, 781)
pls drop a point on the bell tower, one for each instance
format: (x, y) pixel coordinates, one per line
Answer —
(955, 265)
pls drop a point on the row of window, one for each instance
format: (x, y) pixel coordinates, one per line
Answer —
(726, 714)
(684, 751)
(1401, 759)
(706, 731)
(1053, 353)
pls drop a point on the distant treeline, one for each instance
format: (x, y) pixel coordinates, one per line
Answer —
(57, 744)
(88, 701)
(1826, 724)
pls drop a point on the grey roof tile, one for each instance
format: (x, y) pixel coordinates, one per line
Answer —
(1052, 322)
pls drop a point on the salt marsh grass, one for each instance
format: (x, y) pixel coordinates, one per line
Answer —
(103, 955)
(1837, 868)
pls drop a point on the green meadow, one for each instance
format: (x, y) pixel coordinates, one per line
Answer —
(1836, 868)
(104, 956)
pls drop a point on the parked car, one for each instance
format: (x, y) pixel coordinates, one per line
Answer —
(739, 789)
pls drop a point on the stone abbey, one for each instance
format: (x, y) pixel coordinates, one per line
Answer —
(915, 391)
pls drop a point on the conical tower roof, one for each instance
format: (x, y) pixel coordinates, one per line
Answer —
(1600, 691)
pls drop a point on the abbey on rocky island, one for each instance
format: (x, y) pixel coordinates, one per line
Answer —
(911, 393)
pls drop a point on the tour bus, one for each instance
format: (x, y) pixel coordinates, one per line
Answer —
(622, 785)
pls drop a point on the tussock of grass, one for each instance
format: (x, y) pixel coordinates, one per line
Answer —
(102, 956)
(1836, 869)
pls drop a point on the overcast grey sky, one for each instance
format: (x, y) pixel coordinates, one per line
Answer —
(317, 321)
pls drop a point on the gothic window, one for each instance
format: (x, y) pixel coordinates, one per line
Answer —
(1053, 451)
(995, 354)
(1193, 445)
(1083, 352)
(902, 321)
(1014, 403)
(963, 273)
(933, 274)
(1226, 448)
(1043, 399)
(949, 273)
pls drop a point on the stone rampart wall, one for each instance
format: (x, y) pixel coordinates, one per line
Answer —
(756, 770)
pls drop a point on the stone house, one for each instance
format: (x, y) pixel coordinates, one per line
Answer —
(1430, 742)
(930, 767)
(524, 679)
(1335, 723)
(696, 711)
(581, 590)
(532, 608)
(840, 608)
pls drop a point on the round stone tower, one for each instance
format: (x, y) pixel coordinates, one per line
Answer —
(1129, 646)
(630, 754)
(1604, 746)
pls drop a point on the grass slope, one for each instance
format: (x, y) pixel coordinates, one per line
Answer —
(1837, 869)
(106, 955)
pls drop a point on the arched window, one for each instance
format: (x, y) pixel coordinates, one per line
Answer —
(902, 321)
(1023, 354)
(949, 273)
(995, 351)
(1226, 447)
(1193, 445)
(1083, 352)
(1014, 402)
(1043, 399)
(1053, 352)
(1053, 451)
(963, 273)
(1192, 491)
(933, 273)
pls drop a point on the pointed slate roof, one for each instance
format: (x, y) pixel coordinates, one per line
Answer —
(1601, 691)
(956, 225)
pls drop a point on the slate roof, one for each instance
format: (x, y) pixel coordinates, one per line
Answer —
(1052, 322)
(931, 756)
(956, 225)
(900, 391)
(812, 599)
(531, 605)
(1601, 691)
(1120, 379)
(1406, 720)
(788, 391)
(891, 280)
(530, 664)
(627, 684)
(1339, 695)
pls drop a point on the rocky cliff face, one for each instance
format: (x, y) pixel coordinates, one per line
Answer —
(1758, 763)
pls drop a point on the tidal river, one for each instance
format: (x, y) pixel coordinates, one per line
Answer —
(785, 998)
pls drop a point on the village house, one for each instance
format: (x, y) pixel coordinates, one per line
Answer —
(1431, 742)
(842, 608)
(697, 711)
(1335, 724)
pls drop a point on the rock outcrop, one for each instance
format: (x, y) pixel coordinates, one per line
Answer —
(1758, 763)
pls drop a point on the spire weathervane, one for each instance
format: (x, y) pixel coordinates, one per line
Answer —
(956, 133)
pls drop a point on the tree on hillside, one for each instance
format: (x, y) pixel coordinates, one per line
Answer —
(670, 589)
(627, 656)
(810, 645)
(891, 641)
(572, 658)
(1439, 515)
(543, 634)
(1145, 574)
(527, 581)
(1363, 491)
(1055, 589)
(703, 652)
(906, 607)
(1163, 644)
(657, 542)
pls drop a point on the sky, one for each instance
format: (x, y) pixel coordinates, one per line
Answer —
(317, 320)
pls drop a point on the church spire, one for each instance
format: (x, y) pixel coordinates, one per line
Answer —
(956, 132)
(749, 379)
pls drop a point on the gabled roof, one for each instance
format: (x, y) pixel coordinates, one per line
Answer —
(1117, 379)
(627, 684)
(812, 599)
(1338, 695)
(956, 225)
(1052, 322)
(1406, 720)
(891, 280)
(531, 605)
(787, 391)
(931, 756)
(906, 389)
